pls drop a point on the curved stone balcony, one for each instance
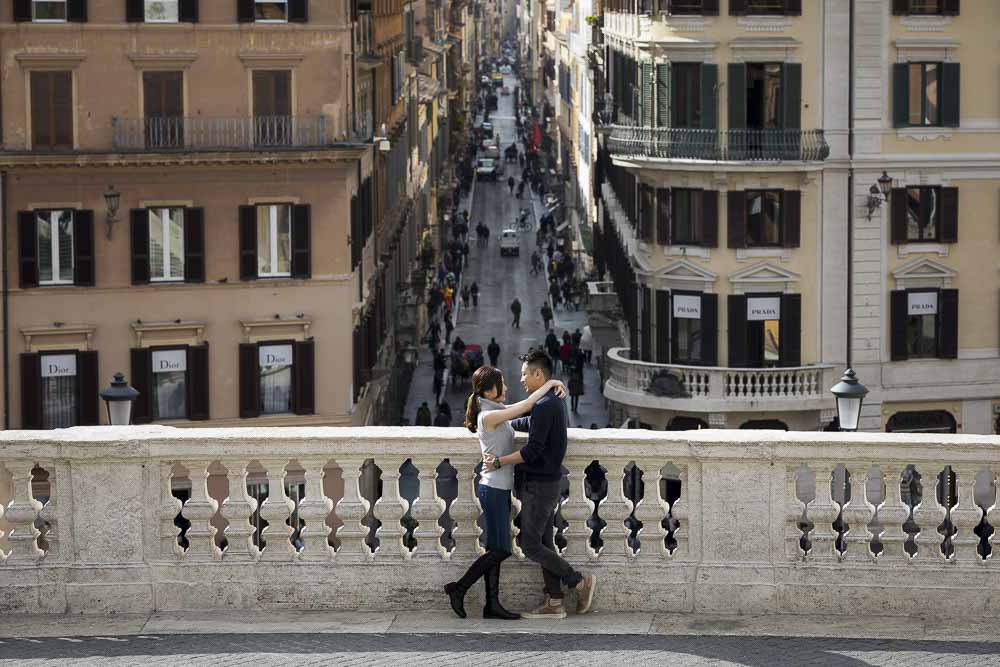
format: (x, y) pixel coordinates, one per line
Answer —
(705, 389)
(690, 144)
(748, 522)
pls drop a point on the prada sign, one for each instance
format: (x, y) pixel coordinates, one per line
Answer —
(687, 307)
(58, 365)
(275, 355)
(169, 361)
(921, 303)
(760, 309)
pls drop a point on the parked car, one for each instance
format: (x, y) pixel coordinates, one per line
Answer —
(491, 150)
(486, 130)
(505, 69)
(488, 169)
(510, 243)
(497, 79)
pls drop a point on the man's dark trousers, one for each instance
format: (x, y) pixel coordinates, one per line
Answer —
(539, 501)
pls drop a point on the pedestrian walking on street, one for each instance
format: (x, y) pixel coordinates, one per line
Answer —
(423, 415)
(443, 418)
(438, 385)
(587, 343)
(546, 315)
(465, 253)
(449, 326)
(575, 386)
(474, 291)
(510, 184)
(465, 296)
(493, 351)
(540, 489)
(575, 338)
(515, 310)
(488, 417)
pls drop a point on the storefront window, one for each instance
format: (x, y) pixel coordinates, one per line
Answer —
(276, 379)
(170, 384)
(59, 409)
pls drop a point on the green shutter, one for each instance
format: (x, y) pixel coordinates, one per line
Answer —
(646, 99)
(709, 106)
(663, 95)
(900, 94)
(951, 94)
(791, 80)
(737, 96)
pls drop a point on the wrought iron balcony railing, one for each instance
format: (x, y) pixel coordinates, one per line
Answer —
(239, 133)
(749, 145)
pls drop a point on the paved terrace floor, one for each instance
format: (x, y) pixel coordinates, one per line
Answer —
(437, 638)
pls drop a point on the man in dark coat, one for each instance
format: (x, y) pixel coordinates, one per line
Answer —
(493, 351)
(423, 415)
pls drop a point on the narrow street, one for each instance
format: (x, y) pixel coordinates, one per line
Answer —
(500, 280)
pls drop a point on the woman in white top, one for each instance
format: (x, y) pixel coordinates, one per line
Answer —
(486, 415)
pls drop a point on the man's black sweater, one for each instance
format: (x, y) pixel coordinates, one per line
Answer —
(546, 448)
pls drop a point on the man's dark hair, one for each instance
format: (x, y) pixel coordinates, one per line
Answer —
(537, 358)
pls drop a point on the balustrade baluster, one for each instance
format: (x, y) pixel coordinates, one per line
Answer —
(237, 509)
(276, 510)
(929, 515)
(966, 515)
(199, 510)
(650, 511)
(313, 510)
(794, 510)
(427, 509)
(170, 507)
(614, 510)
(20, 514)
(351, 509)
(391, 508)
(681, 513)
(892, 515)
(49, 514)
(822, 512)
(464, 511)
(993, 516)
(576, 510)
(515, 509)
(858, 513)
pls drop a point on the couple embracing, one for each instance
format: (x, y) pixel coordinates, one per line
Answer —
(539, 467)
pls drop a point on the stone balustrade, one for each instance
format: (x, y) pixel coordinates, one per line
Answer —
(718, 388)
(110, 519)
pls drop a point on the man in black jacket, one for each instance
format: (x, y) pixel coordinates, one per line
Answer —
(539, 475)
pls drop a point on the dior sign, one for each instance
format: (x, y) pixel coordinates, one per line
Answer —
(58, 365)
(763, 308)
(275, 355)
(921, 303)
(169, 361)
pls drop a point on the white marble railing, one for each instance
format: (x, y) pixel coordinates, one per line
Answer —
(709, 521)
(711, 388)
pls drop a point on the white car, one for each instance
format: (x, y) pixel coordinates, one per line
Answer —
(510, 243)
(505, 69)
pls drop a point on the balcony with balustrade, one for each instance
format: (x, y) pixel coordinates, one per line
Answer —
(693, 146)
(105, 520)
(717, 389)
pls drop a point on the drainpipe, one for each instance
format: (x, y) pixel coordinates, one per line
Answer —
(6, 309)
(850, 186)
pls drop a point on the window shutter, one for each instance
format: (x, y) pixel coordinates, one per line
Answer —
(357, 366)
(900, 94)
(791, 206)
(356, 240)
(248, 242)
(645, 327)
(736, 214)
(304, 367)
(298, 11)
(710, 7)
(647, 212)
(22, 13)
(140, 246)
(951, 7)
(663, 216)
(791, 330)
(301, 242)
(710, 329)
(187, 11)
(948, 324)
(31, 391)
(194, 245)
(900, 7)
(897, 325)
(197, 382)
(709, 83)
(791, 94)
(737, 330)
(88, 380)
(646, 90)
(27, 241)
(897, 201)
(951, 94)
(737, 94)
(737, 7)
(245, 11)
(793, 7)
(663, 326)
(83, 248)
(135, 11)
(663, 95)
(710, 218)
(949, 215)
(249, 381)
(142, 381)
(76, 12)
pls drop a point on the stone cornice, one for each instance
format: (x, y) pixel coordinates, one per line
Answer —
(76, 160)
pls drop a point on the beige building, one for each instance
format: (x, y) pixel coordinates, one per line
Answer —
(177, 187)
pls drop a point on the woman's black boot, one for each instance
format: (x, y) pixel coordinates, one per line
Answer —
(456, 595)
(456, 590)
(493, 608)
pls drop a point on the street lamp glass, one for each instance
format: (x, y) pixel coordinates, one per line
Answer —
(849, 412)
(885, 183)
(119, 412)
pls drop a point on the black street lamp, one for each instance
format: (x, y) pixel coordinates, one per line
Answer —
(850, 394)
(119, 398)
(879, 193)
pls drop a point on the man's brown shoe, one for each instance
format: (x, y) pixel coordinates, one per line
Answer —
(585, 592)
(547, 610)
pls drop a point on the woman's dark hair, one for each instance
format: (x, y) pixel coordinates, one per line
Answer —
(483, 380)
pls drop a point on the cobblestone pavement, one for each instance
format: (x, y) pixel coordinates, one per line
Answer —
(485, 649)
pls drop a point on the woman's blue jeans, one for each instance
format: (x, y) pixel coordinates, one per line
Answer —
(496, 515)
